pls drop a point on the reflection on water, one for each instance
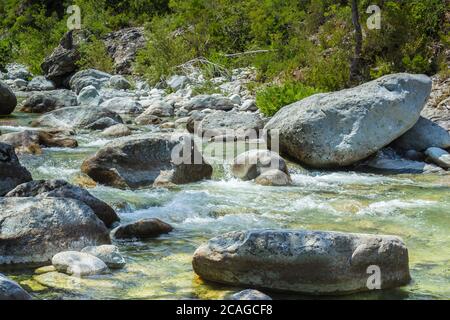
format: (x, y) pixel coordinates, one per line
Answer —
(415, 207)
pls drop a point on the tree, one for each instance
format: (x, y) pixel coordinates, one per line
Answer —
(355, 66)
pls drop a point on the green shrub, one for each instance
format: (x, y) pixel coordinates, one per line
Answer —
(94, 55)
(272, 99)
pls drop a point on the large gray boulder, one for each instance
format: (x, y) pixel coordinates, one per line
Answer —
(439, 156)
(340, 128)
(89, 96)
(251, 164)
(158, 109)
(41, 102)
(78, 264)
(8, 100)
(122, 105)
(75, 117)
(63, 189)
(88, 77)
(15, 71)
(40, 83)
(142, 229)
(119, 82)
(241, 123)
(307, 262)
(12, 173)
(137, 161)
(10, 290)
(34, 230)
(425, 134)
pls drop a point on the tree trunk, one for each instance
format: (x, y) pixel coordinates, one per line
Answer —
(355, 67)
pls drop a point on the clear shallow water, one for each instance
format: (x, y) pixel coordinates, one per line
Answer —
(415, 207)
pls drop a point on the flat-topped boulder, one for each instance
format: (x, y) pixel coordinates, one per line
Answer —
(341, 128)
(136, 161)
(306, 262)
(34, 230)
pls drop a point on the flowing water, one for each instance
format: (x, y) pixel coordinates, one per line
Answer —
(415, 207)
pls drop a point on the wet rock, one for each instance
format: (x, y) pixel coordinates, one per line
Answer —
(89, 96)
(29, 141)
(109, 254)
(41, 102)
(119, 82)
(34, 230)
(89, 77)
(250, 294)
(102, 124)
(142, 229)
(122, 46)
(369, 117)
(78, 264)
(439, 157)
(122, 106)
(219, 122)
(307, 262)
(136, 161)
(12, 173)
(118, 130)
(63, 189)
(40, 83)
(274, 177)
(251, 164)
(425, 134)
(75, 117)
(8, 100)
(213, 102)
(10, 290)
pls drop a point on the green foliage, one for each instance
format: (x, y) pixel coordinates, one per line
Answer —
(272, 99)
(94, 55)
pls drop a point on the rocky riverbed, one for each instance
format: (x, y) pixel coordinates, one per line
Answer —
(108, 141)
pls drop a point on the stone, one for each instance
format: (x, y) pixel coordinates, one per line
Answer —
(34, 230)
(40, 83)
(341, 128)
(178, 82)
(236, 99)
(425, 134)
(62, 189)
(142, 229)
(274, 177)
(88, 77)
(136, 161)
(249, 105)
(75, 117)
(144, 120)
(41, 102)
(439, 157)
(109, 254)
(251, 164)
(250, 294)
(11, 290)
(15, 71)
(89, 96)
(159, 109)
(102, 124)
(119, 82)
(221, 122)
(8, 100)
(305, 262)
(118, 130)
(214, 102)
(123, 45)
(20, 84)
(122, 106)
(78, 264)
(12, 173)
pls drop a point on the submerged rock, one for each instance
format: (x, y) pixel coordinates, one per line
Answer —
(142, 229)
(10, 290)
(12, 173)
(78, 264)
(8, 100)
(136, 161)
(307, 262)
(109, 254)
(41, 102)
(340, 128)
(250, 294)
(274, 177)
(34, 230)
(63, 189)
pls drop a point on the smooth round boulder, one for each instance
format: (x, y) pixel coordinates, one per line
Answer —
(8, 100)
(341, 128)
(89, 96)
(78, 264)
(41, 102)
(249, 295)
(439, 157)
(40, 83)
(274, 177)
(305, 262)
(109, 254)
(251, 164)
(118, 130)
(34, 230)
(119, 82)
(142, 229)
(12, 173)
(11, 290)
(123, 105)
